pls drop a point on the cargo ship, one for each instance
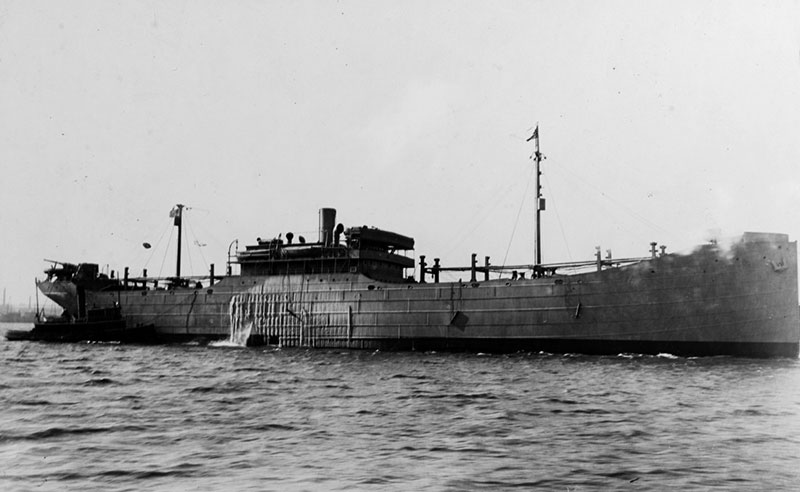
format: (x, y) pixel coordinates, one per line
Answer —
(358, 288)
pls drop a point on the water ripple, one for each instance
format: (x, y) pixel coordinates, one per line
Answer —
(101, 417)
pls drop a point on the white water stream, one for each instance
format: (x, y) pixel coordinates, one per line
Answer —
(241, 323)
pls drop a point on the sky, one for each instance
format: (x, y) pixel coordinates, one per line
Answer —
(673, 122)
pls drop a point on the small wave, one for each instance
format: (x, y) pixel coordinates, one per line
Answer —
(133, 474)
(630, 475)
(752, 412)
(73, 359)
(57, 432)
(144, 474)
(33, 403)
(369, 412)
(337, 386)
(408, 376)
(472, 396)
(385, 480)
(226, 344)
(98, 382)
(635, 433)
(465, 449)
(272, 427)
(544, 484)
(129, 397)
(247, 369)
(665, 355)
(448, 396)
(591, 411)
(69, 431)
(228, 388)
(566, 402)
(202, 389)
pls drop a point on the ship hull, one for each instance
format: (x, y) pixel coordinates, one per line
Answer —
(716, 301)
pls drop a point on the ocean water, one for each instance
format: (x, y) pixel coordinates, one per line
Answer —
(112, 417)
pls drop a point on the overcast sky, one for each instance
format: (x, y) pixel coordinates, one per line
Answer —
(661, 121)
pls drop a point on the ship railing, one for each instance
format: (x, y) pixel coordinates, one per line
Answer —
(572, 265)
(170, 282)
(185, 281)
(519, 271)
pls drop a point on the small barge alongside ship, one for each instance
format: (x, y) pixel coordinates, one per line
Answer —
(351, 289)
(99, 325)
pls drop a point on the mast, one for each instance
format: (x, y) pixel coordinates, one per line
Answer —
(540, 204)
(177, 213)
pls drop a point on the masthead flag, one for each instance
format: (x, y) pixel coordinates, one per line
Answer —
(535, 134)
(176, 213)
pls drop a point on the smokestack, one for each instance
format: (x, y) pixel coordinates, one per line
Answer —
(327, 220)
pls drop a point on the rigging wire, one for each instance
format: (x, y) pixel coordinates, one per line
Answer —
(144, 251)
(212, 241)
(485, 213)
(197, 243)
(190, 236)
(189, 257)
(615, 202)
(166, 251)
(185, 223)
(558, 218)
(156, 246)
(519, 212)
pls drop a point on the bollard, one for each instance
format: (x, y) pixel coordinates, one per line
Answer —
(473, 267)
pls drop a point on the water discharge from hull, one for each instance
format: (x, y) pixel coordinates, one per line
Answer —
(242, 312)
